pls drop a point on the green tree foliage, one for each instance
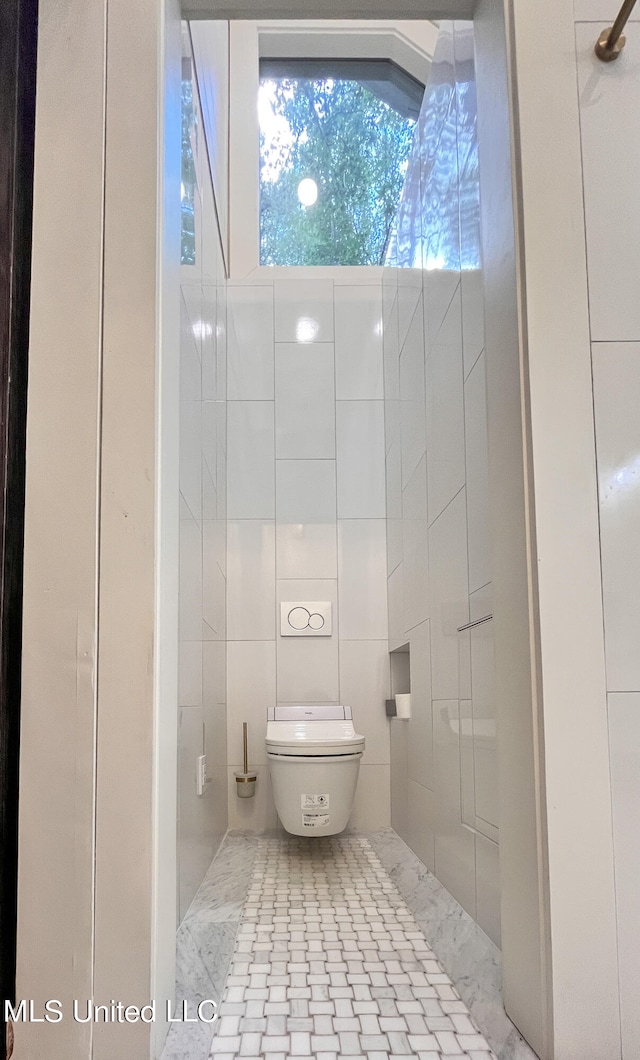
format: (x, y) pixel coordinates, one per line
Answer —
(356, 149)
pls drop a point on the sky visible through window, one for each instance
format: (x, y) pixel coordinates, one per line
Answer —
(333, 158)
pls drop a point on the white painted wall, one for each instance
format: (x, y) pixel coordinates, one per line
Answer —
(439, 567)
(306, 518)
(60, 579)
(97, 800)
(202, 728)
(607, 95)
(574, 771)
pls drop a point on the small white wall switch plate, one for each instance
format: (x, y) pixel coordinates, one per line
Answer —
(305, 618)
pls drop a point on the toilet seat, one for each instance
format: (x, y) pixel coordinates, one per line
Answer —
(312, 732)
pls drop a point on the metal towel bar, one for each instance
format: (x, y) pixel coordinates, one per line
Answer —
(477, 622)
(611, 41)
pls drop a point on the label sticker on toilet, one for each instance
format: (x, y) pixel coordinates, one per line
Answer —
(314, 802)
(315, 820)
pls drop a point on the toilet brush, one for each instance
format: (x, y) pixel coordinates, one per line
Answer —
(245, 780)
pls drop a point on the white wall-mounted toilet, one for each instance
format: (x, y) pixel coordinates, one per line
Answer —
(314, 757)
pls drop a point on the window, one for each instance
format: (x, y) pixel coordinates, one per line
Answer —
(335, 137)
(188, 178)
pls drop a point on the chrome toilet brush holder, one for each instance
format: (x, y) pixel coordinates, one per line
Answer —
(245, 780)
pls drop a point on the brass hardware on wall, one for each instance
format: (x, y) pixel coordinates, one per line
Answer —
(245, 779)
(611, 41)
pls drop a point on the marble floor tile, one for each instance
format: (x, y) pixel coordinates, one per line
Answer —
(330, 962)
(205, 942)
(339, 947)
(468, 956)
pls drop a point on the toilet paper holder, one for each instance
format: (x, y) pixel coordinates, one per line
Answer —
(399, 706)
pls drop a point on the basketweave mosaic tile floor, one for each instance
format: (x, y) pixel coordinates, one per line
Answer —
(330, 963)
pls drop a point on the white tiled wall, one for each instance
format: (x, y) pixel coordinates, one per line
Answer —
(444, 760)
(306, 504)
(612, 212)
(203, 573)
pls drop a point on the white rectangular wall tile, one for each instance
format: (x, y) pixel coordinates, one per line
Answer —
(472, 317)
(395, 592)
(190, 580)
(440, 285)
(190, 673)
(445, 412)
(305, 401)
(214, 679)
(420, 816)
(306, 550)
(220, 332)
(449, 597)
(483, 695)
(624, 743)
(193, 858)
(209, 347)
(190, 455)
(488, 887)
(412, 396)
(616, 376)
(391, 351)
(308, 670)
(306, 539)
(190, 368)
(250, 338)
(362, 576)
(210, 411)
(394, 506)
(251, 579)
(477, 465)
(454, 844)
(392, 421)
(364, 686)
(250, 460)
(409, 294)
(360, 459)
(372, 804)
(467, 776)
(399, 785)
(415, 551)
(304, 311)
(358, 343)
(420, 742)
(251, 688)
(214, 591)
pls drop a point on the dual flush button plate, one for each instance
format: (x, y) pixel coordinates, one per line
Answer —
(305, 619)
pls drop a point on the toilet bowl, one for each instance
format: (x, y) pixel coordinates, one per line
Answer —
(314, 757)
